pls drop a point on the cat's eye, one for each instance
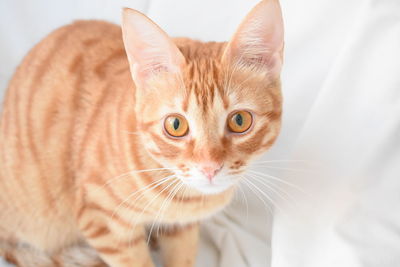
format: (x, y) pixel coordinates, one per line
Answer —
(240, 121)
(176, 125)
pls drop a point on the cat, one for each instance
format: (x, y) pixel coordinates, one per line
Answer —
(108, 136)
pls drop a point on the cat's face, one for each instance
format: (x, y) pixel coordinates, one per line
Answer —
(205, 110)
(209, 131)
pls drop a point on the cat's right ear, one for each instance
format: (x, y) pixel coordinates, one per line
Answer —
(150, 51)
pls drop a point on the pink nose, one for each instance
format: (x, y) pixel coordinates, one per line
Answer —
(210, 169)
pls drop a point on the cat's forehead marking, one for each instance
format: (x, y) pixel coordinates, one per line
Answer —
(205, 90)
(203, 74)
(202, 81)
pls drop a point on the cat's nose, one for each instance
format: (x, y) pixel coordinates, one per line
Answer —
(210, 169)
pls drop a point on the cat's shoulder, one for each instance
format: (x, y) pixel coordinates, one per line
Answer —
(81, 33)
(87, 37)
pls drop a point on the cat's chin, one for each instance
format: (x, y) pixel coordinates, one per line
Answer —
(210, 189)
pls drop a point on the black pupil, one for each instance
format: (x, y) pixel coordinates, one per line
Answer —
(239, 119)
(176, 123)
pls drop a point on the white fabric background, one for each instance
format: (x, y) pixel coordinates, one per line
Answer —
(341, 83)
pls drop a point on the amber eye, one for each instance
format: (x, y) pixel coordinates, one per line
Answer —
(240, 121)
(176, 125)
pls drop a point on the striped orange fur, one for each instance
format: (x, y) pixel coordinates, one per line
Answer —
(87, 169)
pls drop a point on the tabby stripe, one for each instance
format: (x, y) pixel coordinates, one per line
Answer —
(110, 144)
(121, 141)
(107, 250)
(88, 226)
(126, 245)
(169, 151)
(30, 130)
(127, 204)
(145, 126)
(95, 179)
(185, 103)
(274, 115)
(276, 102)
(96, 112)
(109, 213)
(90, 42)
(99, 232)
(101, 68)
(116, 134)
(269, 143)
(254, 143)
(133, 242)
(101, 155)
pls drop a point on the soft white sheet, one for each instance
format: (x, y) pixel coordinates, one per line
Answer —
(352, 218)
(341, 85)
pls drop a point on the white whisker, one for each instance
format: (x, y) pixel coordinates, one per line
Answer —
(245, 200)
(257, 195)
(275, 189)
(163, 205)
(133, 172)
(305, 163)
(287, 169)
(265, 195)
(145, 189)
(278, 179)
(152, 200)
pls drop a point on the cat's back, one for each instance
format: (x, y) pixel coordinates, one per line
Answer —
(59, 81)
(54, 76)
(49, 101)
(57, 84)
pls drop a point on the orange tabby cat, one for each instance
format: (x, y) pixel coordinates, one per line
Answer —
(108, 136)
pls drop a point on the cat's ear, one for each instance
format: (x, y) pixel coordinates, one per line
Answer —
(258, 42)
(150, 51)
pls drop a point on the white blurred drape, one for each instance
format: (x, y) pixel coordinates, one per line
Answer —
(340, 143)
(353, 129)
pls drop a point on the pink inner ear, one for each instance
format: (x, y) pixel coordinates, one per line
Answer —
(259, 38)
(150, 51)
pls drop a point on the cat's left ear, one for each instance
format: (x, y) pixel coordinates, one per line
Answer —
(258, 42)
(150, 51)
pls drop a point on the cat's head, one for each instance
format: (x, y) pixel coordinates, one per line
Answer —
(206, 109)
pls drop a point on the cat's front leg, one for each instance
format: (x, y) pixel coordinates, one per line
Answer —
(117, 242)
(179, 244)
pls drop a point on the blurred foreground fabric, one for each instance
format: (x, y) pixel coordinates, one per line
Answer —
(339, 151)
